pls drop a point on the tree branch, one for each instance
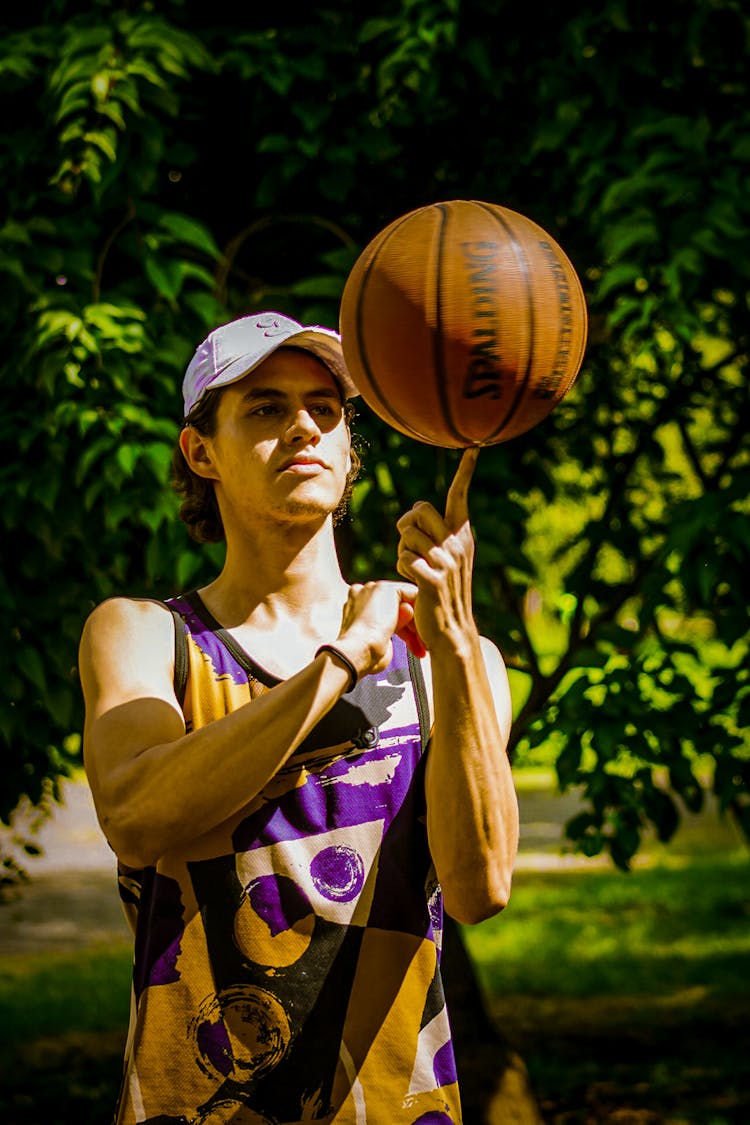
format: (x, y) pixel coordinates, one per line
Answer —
(235, 244)
(738, 435)
(692, 453)
(514, 603)
(114, 234)
(543, 686)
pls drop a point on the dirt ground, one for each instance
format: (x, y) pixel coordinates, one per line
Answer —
(71, 897)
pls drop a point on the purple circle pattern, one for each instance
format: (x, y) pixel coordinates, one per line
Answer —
(278, 901)
(338, 873)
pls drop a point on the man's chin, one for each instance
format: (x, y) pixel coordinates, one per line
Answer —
(298, 510)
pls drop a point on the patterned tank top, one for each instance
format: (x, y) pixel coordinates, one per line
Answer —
(287, 963)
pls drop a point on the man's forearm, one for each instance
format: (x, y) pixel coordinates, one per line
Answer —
(173, 792)
(472, 810)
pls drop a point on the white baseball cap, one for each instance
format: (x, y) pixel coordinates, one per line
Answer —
(232, 350)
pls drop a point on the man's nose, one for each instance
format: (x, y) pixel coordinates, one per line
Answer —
(303, 426)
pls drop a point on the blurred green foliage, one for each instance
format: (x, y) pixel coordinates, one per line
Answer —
(167, 167)
(666, 929)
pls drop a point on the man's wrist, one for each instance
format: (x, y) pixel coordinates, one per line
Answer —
(462, 645)
(337, 653)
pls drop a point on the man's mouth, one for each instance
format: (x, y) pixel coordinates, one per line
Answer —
(303, 464)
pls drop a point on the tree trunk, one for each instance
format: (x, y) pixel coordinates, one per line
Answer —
(495, 1087)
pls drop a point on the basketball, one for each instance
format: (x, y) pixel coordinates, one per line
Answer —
(463, 323)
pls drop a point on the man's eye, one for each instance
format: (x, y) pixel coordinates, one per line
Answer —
(267, 409)
(322, 408)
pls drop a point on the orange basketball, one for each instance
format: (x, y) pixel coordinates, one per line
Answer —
(463, 323)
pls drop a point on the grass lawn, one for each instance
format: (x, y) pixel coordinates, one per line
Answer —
(47, 995)
(628, 996)
(602, 933)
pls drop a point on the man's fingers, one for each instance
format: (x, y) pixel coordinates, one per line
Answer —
(407, 591)
(414, 567)
(457, 501)
(412, 640)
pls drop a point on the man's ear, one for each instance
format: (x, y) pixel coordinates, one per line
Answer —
(197, 451)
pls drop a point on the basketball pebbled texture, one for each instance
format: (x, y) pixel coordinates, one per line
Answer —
(463, 323)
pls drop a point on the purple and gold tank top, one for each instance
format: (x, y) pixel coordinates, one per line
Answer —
(287, 963)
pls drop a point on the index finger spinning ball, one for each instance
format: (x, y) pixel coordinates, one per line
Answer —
(463, 323)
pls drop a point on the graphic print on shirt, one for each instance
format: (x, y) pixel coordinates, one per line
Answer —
(305, 958)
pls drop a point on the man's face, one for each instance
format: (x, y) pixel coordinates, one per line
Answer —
(281, 446)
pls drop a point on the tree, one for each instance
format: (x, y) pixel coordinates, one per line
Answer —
(169, 167)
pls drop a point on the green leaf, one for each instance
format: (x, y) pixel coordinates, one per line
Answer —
(112, 110)
(590, 658)
(567, 763)
(373, 28)
(191, 269)
(582, 824)
(274, 142)
(684, 782)
(165, 275)
(663, 813)
(159, 458)
(76, 98)
(90, 456)
(191, 232)
(105, 142)
(59, 702)
(31, 664)
(279, 80)
(621, 239)
(127, 457)
(320, 286)
(620, 276)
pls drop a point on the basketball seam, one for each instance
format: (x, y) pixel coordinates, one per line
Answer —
(439, 356)
(408, 428)
(524, 265)
(576, 367)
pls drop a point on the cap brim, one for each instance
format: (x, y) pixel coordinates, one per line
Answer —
(327, 349)
(324, 347)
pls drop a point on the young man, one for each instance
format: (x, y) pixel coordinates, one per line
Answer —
(295, 772)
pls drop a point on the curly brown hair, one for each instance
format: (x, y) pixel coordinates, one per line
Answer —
(199, 509)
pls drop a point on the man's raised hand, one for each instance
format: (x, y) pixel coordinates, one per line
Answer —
(436, 553)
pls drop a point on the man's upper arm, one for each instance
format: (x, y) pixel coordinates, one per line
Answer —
(126, 662)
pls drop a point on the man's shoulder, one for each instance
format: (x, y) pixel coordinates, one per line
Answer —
(127, 618)
(490, 651)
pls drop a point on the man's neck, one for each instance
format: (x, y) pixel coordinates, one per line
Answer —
(275, 574)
